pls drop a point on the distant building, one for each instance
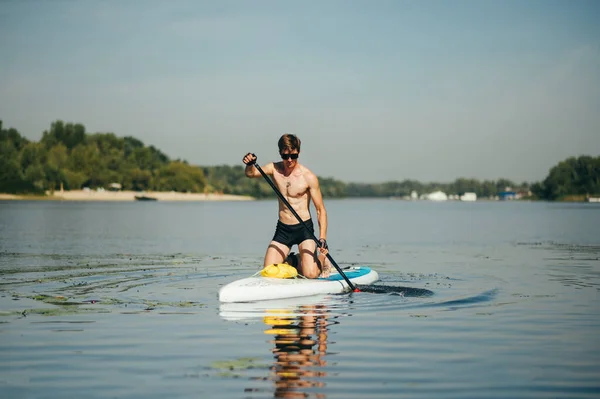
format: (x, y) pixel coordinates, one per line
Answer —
(507, 195)
(437, 196)
(114, 187)
(414, 195)
(468, 197)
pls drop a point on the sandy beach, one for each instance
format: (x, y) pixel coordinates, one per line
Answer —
(92, 195)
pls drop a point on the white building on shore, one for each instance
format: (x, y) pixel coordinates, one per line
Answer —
(437, 196)
(468, 197)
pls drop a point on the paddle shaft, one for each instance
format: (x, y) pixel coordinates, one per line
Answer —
(282, 198)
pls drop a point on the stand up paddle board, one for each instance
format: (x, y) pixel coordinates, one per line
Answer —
(259, 288)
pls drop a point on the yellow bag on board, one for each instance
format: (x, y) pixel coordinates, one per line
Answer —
(279, 270)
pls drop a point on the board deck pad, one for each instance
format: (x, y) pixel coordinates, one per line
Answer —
(350, 273)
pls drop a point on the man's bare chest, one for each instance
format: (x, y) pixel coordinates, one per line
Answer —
(294, 185)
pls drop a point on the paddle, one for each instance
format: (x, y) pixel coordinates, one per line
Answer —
(282, 198)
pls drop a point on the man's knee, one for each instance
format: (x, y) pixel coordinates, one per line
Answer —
(312, 273)
(310, 267)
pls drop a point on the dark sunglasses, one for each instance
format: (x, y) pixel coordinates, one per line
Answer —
(288, 156)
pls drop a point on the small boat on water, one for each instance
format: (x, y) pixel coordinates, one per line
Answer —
(145, 198)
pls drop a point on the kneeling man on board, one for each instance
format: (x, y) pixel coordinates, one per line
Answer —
(299, 186)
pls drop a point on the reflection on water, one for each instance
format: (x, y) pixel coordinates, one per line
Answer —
(298, 336)
(299, 349)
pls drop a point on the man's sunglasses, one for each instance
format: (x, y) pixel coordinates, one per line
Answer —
(288, 156)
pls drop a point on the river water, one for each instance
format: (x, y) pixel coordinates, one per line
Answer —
(119, 300)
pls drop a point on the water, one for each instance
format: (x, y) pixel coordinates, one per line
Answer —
(119, 300)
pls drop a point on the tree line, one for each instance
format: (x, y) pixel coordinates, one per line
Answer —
(68, 157)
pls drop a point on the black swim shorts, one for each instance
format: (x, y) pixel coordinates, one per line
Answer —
(290, 234)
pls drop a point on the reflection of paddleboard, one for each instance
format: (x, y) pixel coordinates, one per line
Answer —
(289, 307)
(258, 288)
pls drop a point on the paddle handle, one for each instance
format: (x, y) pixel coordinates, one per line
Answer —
(285, 201)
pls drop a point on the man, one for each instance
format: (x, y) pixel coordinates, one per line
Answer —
(299, 186)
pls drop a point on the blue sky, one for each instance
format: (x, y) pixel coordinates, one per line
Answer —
(376, 90)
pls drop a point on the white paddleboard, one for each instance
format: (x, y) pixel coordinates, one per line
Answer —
(258, 288)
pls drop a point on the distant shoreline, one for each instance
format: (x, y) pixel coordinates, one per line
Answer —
(127, 196)
(124, 196)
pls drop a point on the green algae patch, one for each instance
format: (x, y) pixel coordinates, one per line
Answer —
(63, 303)
(57, 311)
(184, 304)
(58, 300)
(228, 368)
(52, 311)
(188, 304)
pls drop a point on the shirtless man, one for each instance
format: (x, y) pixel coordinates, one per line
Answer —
(299, 186)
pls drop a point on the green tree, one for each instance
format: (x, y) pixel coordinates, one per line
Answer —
(181, 177)
(32, 154)
(73, 180)
(11, 177)
(57, 156)
(68, 134)
(137, 179)
(573, 176)
(85, 158)
(35, 174)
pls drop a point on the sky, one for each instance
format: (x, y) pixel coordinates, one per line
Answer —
(430, 90)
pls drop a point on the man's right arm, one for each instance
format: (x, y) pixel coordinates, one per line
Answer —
(251, 171)
(249, 160)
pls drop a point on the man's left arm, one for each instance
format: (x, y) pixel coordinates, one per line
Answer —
(317, 198)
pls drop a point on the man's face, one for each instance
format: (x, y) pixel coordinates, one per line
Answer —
(290, 158)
